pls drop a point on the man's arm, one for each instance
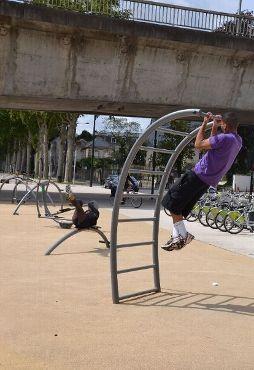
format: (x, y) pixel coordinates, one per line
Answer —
(201, 142)
(216, 124)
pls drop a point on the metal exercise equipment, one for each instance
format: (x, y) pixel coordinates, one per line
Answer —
(18, 180)
(95, 229)
(161, 126)
(41, 187)
(44, 185)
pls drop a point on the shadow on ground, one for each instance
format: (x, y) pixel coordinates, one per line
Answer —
(197, 301)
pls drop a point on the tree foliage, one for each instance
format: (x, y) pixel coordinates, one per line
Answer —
(98, 163)
(85, 135)
(125, 134)
(27, 131)
(170, 142)
(106, 7)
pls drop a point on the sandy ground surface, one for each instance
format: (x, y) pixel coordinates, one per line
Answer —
(56, 311)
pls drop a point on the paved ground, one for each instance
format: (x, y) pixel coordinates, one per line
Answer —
(56, 311)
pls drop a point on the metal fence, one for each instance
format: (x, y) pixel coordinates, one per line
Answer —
(160, 13)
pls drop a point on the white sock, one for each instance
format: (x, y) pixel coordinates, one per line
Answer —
(175, 233)
(181, 229)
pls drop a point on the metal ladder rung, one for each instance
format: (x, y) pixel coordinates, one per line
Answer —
(154, 290)
(137, 219)
(171, 131)
(136, 269)
(158, 150)
(134, 244)
(140, 195)
(149, 172)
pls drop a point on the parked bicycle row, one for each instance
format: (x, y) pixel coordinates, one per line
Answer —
(228, 212)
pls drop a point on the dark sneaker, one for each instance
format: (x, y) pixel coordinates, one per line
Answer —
(171, 244)
(184, 241)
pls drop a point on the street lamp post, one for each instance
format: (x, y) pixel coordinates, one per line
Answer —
(154, 161)
(240, 6)
(92, 157)
(74, 167)
(251, 181)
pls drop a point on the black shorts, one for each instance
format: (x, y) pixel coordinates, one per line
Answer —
(184, 194)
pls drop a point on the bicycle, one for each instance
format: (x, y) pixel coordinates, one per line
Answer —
(136, 200)
(236, 221)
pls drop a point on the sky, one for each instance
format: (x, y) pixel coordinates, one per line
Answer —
(228, 6)
(86, 122)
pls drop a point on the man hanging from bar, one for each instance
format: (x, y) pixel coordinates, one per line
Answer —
(222, 150)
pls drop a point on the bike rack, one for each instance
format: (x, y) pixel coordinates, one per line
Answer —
(160, 126)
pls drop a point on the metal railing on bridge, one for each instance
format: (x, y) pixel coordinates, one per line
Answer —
(241, 25)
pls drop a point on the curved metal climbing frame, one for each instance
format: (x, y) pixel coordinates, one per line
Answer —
(42, 187)
(18, 180)
(163, 127)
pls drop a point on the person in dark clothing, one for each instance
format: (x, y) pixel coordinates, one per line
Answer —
(84, 219)
(129, 185)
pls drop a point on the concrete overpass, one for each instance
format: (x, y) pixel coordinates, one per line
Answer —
(52, 59)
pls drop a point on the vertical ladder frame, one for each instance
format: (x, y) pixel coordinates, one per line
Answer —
(188, 137)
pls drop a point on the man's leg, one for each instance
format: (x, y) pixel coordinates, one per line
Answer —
(79, 214)
(185, 192)
(180, 236)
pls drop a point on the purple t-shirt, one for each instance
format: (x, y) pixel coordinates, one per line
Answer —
(218, 160)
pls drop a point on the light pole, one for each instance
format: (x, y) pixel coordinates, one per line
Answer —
(240, 6)
(92, 157)
(154, 161)
(74, 167)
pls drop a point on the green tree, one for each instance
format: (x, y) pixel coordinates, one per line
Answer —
(6, 139)
(170, 142)
(106, 7)
(30, 130)
(13, 138)
(85, 135)
(99, 164)
(70, 119)
(124, 134)
(47, 129)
